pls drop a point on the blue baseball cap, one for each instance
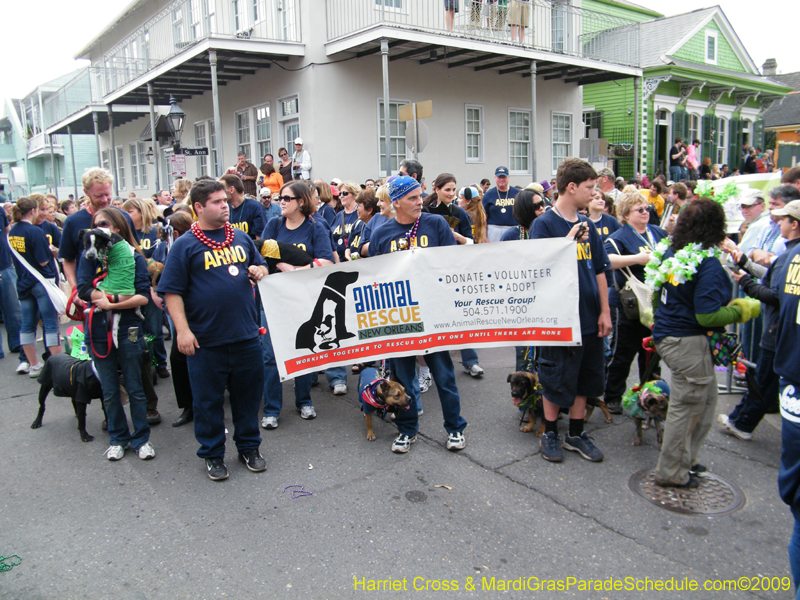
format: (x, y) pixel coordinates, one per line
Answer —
(501, 172)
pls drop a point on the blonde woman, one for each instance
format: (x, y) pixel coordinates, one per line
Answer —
(144, 215)
(180, 190)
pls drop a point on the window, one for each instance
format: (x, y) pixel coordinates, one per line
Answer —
(134, 166)
(711, 47)
(120, 168)
(474, 133)
(138, 165)
(519, 141)
(694, 128)
(558, 26)
(177, 27)
(263, 137)
(104, 161)
(243, 133)
(747, 128)
(290, 107)
(722, 151)
(200, 142)
(237, 11)
(593, 119)
(397, 137)
(195, 19)
(394, 5)
(562, 138)
(289, 121)
(254, 5)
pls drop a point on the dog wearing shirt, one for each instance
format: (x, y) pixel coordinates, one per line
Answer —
(379, 395)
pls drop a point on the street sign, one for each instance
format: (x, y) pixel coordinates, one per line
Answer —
(195, 151)
(177, 163)
(424, 110)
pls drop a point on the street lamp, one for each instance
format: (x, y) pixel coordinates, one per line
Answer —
(175, 118)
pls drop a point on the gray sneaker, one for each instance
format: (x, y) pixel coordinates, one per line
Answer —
(733, 430)
(583, 445)
(474, 370)
(456, 442)
(550, 445)
(402, 443)
(270, 422)
(307, 412)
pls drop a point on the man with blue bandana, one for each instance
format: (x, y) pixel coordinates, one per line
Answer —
(411, 228)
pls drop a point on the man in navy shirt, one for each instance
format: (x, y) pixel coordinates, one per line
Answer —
(245, 213)
(9, 300)
(571, 374)
(498, 203)
(412, 228)
(210, 268)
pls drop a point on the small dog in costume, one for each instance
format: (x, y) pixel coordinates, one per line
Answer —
(651, 402)
(381, 396)
(526, 393)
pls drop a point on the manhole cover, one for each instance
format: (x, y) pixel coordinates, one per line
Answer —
(714, 496)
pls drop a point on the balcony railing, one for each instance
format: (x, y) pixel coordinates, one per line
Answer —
(75, 95)
(185, 23)
(551, 26)
(40, 141)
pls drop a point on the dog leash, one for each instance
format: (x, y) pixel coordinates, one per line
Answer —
(89, 323)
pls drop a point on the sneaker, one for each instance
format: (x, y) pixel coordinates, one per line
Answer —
(153, 417)
(733, 430)
(402, 443)
(550, 445)
(420, 412)
(697, 469)
(270, 422)
(692, 483)
(306, 412)
(217, 471)
(456, 442)
(425, 382)
(34, 371)
(253, 460)
(583, 445)
(115, 452)
(474, 370)
(146, 451)
(23, 367)
(615, 408)
(340, 389)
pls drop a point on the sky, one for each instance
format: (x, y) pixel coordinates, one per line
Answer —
(36, 53)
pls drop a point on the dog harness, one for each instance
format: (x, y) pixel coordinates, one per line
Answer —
(369, 395)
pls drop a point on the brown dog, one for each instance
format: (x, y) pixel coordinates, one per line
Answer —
(592, 403)
(380, 395)
(523, 388)
(652, 406)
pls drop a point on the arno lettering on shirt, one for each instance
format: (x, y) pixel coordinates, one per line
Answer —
(225, 256)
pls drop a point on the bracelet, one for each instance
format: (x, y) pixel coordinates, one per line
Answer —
(315, 262)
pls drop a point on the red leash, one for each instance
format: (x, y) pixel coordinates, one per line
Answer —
(89, 323)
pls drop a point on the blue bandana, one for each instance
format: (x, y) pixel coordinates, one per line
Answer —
(401, 186)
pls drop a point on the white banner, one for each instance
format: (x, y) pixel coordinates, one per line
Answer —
(423, 300)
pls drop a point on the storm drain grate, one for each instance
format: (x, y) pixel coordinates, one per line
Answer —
(714, 495)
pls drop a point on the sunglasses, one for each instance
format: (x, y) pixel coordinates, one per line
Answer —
(287, 198)
(102, 224)
(537, 205)
(343, 194)
(640, 210)
(282, 155)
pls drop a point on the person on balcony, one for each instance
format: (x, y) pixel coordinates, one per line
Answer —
(519, 18)
(301, 167)
(450, 10)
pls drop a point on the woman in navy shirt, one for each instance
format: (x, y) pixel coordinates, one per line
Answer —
(31, 244)
(342, 226)
(295, 226)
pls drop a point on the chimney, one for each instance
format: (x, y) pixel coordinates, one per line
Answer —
(769, 67)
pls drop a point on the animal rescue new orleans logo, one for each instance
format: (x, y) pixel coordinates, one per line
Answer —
(326, 328)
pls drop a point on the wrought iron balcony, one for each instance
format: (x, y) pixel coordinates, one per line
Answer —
(78, 93)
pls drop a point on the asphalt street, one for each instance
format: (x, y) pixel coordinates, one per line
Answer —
(429, 524)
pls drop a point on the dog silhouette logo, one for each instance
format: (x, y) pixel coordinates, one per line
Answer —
(326, 328)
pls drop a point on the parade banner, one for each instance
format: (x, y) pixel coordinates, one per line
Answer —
(423, 300)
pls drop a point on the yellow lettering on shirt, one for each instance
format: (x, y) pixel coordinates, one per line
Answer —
(17, 243)
(504, 202)
(224, 256)
(418, 242)
(145, 245)
(584, 251)
(243, 226)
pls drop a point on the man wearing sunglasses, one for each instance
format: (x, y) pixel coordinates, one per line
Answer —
(301, 166)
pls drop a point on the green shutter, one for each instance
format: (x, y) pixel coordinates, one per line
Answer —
(758, 134)
(680, 125)
(734, 141)
(708, 143)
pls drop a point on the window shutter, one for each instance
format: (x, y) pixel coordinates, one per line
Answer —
(708, 142)
(680, 125)
(734, 141)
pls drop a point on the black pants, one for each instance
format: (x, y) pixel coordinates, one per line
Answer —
(180, 376)
(626, 344)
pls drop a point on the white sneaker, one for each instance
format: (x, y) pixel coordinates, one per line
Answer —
(425, 382)
(733, 430)
(306, 412)
(456, 442)
(474, 370)
(115, 452)
(23, 367)
(340, 389)
(271, 422)
(146, 451)
(34, 371)
(402, 443)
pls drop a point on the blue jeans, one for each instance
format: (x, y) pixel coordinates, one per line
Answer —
(273, 388)
(128, 357)
(336, 375)
(675, 173)
(12, 313)
(469, 357)
(153, 322)
(36, 303)
(240, 368)
(441, 366)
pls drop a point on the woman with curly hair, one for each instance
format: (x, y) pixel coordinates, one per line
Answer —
(692, 294)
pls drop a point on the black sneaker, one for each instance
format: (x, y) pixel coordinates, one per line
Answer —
(217, 471)
(615, 408)
(551, 447)
(254, 461)
(691, 484)
(583, 445)
(698, 468)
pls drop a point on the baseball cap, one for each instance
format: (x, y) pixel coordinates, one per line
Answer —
(298, 141)
(336, 181)
(792, 209)
(265, 192)
(748, 197)
(501, 172)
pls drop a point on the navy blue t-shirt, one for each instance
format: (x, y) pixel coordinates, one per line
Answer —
(606, 226)
(98, 336)
(514, 234)
(341, 236)
(248, 217)
(433, 231)
(217, 295)
(373, 224)
(75, 223)
(312, 236)
(709, 290)
(499, 206)
(592, 261)
(787, 343)
(148, 241)
(456, 217)
(30, 241)
(356, 237)
(5, 253)
(51, 232)
(628, 242)
(326, 212)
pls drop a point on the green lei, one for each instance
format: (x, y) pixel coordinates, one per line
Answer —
(679, 268)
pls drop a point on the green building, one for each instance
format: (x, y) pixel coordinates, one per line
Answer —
(698, 82)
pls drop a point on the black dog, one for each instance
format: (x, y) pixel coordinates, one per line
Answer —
(275, 252)
(69, 378)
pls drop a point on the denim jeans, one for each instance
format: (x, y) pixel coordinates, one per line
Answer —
(36, 303)
(336, 375)
(239, 368)
(794, 558)
(153, 322)
(12, 312)
(273, 388)
(675, 173)
(441, 366)
(128, 357)
(469, 357)
(749, 412)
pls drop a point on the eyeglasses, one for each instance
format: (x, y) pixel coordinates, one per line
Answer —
(343, 194)
(641, 210)
(102, 224)
(287, 198)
